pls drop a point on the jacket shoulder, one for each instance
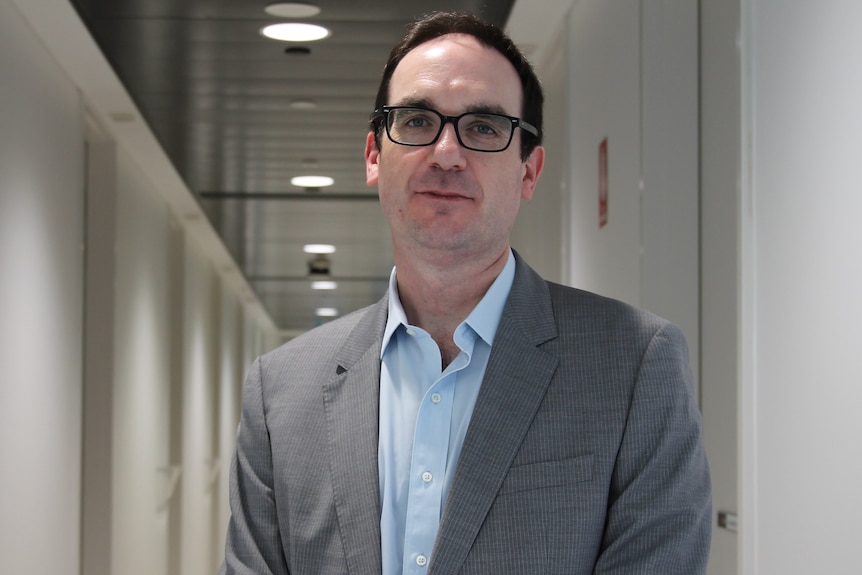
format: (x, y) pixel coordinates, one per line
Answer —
(589, 309)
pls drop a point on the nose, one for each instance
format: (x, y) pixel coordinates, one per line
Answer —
(447, 152)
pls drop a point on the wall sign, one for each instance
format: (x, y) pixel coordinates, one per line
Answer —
(603, 183)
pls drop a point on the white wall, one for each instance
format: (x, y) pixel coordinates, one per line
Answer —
(141, 384)
(603, 95)
(670, 267)
(538, 231)
(230, 377)
(170, 404)
(802, 239)
(85, 494)
(199, 402)
(41, 296)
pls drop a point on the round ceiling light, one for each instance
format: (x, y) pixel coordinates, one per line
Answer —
(292, 10)
(295, 32)
(312, 181)
(318, 248)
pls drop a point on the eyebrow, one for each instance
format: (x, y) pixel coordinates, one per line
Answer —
(479, 108)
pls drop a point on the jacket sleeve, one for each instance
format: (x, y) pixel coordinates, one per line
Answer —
(253, 543)
(660, 507)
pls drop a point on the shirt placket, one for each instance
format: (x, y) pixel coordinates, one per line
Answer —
(428, 468)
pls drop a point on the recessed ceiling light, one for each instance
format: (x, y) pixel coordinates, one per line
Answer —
(312, 181)
(295, 32)
(323, 284)
(318, 249)
(326, 312)
(292, 10)
(303, 104)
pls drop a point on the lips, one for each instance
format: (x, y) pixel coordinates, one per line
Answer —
(443, 195)
(446, 186)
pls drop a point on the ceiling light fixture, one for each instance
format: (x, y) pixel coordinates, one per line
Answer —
(303, 105)
(295, 32)
(326, 312)
(292, 10)
(312, 181)
(318, 248)
(324, 285)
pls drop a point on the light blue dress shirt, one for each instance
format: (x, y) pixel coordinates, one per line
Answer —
(424, 414)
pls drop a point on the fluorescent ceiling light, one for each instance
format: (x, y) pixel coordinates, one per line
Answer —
(318, 249)
(323, 284)
(295, 32)
(312, 181)
(326, 312)
(292, 10)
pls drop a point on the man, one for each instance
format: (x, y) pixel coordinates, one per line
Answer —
(477, 419)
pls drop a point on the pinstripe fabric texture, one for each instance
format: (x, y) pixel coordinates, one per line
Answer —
(583, 454)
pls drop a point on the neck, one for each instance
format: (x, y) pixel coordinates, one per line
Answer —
(439, 293)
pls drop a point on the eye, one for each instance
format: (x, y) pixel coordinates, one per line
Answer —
(413, 119)
(484, 129)
(486, 125)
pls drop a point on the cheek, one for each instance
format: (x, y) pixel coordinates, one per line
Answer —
(508, 190)
(391, 195)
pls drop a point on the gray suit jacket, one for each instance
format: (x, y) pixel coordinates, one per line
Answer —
(583, 454)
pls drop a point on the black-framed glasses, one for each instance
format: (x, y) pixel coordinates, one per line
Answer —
(480, 131)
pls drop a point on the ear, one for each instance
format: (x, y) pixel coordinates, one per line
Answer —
(530, 171)
(372, 159)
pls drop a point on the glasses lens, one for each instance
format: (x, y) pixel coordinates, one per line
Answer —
(413, 126)
(486, 132)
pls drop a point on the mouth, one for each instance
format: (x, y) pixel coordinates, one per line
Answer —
(442, 195)
(445, 187)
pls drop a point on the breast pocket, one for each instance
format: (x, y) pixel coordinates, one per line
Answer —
(543, 520)
(547, 474)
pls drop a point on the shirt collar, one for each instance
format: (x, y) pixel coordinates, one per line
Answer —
(397, 317)
(484, 318)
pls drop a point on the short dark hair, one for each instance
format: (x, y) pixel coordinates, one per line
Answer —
(440, 24)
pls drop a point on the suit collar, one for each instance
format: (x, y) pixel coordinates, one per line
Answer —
(529, 306)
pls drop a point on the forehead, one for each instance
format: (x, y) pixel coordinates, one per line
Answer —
(454, 73)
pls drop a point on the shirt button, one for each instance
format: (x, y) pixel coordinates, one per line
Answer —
(436, 398)
(421, 560)
(411, 332)
(427, 477)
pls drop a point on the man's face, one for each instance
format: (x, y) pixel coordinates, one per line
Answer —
(444, 196)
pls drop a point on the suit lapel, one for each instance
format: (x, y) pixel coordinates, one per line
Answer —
(515, 382)
(352, 410)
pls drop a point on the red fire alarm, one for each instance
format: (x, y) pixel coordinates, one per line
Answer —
(603, 183)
